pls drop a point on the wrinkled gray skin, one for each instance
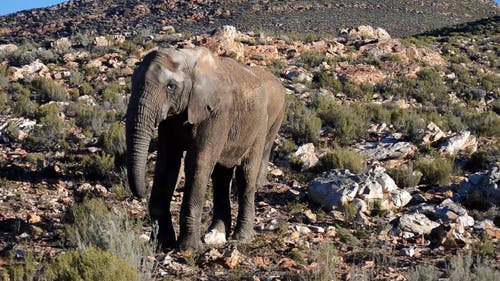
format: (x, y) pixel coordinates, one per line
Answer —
(224, 115)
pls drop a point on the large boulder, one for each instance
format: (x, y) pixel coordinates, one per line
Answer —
(335, 188)
(387, 148)
(223, 42)
(459, 141)
(417, 223)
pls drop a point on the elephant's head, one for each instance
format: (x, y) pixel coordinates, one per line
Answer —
(166, 83)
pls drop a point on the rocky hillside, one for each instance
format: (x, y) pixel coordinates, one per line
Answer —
(400, 18)
(386, 167)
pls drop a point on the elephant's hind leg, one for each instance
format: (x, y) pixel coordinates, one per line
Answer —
(221, 179)
(246, 178)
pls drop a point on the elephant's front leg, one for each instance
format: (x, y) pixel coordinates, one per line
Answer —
(197, 171)
(166, 173)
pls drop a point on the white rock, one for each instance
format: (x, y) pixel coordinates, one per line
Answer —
(416, 223)
(307, 155)
(400, 197)
(409, 251)
(464, 222)
(387, 148)
(215, 237)
(6, 49)
(459, 141)
(144, 238)
(302, 229)
(333, 188)
(432, 133)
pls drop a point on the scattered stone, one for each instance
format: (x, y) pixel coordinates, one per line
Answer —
(34, 218)
(37, 67)
(6, 49)
(400, 197)
(432, 133)
(233, 259)
(312, 217)
(62, 44)
(304, 230)
(417, 223)
(387, 148)
(307, 156)
(215, 237)
(101, 41)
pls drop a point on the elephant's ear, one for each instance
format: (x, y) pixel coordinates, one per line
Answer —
(205, 97)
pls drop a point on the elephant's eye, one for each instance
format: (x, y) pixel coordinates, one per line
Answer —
(171, 87)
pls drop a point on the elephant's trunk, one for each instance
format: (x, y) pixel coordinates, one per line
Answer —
(139, 130)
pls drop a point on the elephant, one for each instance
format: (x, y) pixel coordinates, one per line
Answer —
(224, 116)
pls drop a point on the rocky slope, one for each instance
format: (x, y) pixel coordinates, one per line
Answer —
(400, 18)
(386, 167)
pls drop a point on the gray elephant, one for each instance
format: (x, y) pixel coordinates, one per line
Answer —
(224, 115)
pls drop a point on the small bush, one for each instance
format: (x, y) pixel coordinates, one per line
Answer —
(353, 90)
(326, 256)
(50, 132)
(87, 265)
(342, 158)
(405, 176)
(424, 273)
(19, 270)
(90, 118)
(303, 123)
(23, 105)
(287, 146)
(327, 81)
(479, 160)
(98, 167)
(91, 224)
(312, 58)
(49, 90)
(347, 121)
(435, 172)
(114, 142)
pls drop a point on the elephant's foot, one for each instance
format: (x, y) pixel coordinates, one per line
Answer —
(189, 242)
(244, 234)
(164, 243)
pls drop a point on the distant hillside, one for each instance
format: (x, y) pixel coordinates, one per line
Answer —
(400, 18)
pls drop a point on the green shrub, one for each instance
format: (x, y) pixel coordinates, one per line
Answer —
(303, 123)
(342, 158)
(111, 93)
(88, 265)
(424, 273)
(92, 224)
(485, 124)
(287, 146)
(326, 256)
(352, 90)
(347, 121)
(49, 90)
(51, 130)
(435, 172)
(76, 78)
(114, 142)
(90, 117)
(312, 58)
(23, 105)
(19, 270)
(86, 89)
(480, 160)
(404, 176)
(277, 67)
(98, 167)
(327, 81)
